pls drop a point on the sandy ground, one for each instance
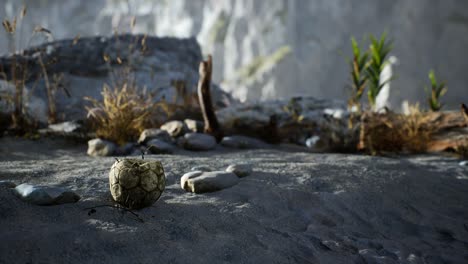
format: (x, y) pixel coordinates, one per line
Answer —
(295, 208)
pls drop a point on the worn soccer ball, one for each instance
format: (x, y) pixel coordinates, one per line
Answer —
(136, 183)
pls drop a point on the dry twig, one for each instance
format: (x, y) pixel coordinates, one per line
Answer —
(92, 210)
(204, 96)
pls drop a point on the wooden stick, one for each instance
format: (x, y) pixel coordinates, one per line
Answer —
(464, 110)
(204, 97)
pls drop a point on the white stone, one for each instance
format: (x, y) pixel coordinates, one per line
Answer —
(174, 128)
(187, 176)
(194, 125)
(202, 182)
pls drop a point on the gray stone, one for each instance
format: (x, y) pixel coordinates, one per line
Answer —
(126, 149)
(180, 142)
(175, 128)
(242, 142)
(292, 121)
(241, 170)
(7, 184)
(463, 163)
(154, 133)
(201, 168)
(194, 125)
(202, 182)
(259, 114)
(99, 147)
(158, 146)
(45, 195)
(199, 141)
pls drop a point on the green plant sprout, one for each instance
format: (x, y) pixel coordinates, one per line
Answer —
(378, 51)
(435, 92)
(358, 64)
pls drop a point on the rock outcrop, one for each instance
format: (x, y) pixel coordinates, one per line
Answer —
(167, 67)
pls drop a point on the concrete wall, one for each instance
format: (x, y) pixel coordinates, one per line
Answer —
(282, 48)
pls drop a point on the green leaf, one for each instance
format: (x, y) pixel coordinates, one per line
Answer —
(432, 78)
(355, 46)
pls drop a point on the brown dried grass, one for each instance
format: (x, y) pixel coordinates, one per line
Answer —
(397, 133)
(125, 111)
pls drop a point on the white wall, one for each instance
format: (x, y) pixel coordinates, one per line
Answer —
(244, 34)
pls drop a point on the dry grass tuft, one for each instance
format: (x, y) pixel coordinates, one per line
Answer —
(125, 111)
(395, 133)
(415, 130)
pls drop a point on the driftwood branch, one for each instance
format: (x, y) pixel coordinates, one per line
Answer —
(204, 96)
(464, 110)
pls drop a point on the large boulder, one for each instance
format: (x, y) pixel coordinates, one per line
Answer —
(167, 67)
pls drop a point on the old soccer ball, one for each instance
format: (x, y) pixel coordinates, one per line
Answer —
(136, 183)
